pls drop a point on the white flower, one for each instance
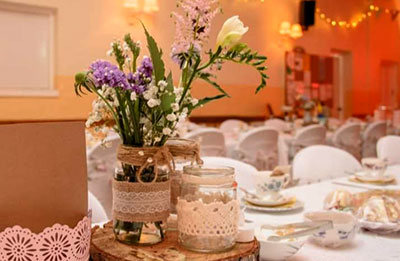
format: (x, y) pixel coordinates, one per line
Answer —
(195, 101)
(167, 131)
(178, 91)
(175, 107)
(109, 52)
(171, 117)
(231, 32)
(153, 103)
(162, 84)
(133, 96)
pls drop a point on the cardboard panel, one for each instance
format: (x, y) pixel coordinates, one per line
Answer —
(43, 177)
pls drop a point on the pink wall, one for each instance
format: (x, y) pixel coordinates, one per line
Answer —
(85, 28)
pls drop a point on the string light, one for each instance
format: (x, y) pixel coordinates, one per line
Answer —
(353, 23)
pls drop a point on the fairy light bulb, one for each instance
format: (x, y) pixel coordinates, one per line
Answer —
(333, 23)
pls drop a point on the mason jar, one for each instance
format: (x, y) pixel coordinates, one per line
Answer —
(207, 209)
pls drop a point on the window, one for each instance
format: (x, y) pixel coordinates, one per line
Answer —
(26, 50)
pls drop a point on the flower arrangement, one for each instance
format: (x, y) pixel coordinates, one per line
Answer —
(138, 99)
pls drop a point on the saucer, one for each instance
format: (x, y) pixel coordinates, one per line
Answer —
(294, 205)
(268, 201)
(363, 176)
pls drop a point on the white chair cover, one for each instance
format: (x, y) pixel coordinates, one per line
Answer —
(396, 118)
(348, 138)
(278, 124)
(334, 123)
(212, 141)
(98, 213)
(320, 162)
(244, 173)
(259, 147)
(102, 161)
(233, 126)
(354, 120)
(389, 148)
(370, 137)
(307, 136)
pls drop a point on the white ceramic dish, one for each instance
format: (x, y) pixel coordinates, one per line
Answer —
(343, 232)
(297, 205)
(379, 227)
(269, 201)
(282, 250)
(365, 176)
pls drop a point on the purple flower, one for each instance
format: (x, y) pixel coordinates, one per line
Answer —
(142, 77)
(105, 73)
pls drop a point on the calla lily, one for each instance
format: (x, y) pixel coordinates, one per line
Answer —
(231, 32)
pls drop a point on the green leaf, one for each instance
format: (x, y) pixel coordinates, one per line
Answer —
(156, 56)
(206, 100)
(206, 78)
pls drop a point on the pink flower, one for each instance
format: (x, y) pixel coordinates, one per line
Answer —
(192, 27)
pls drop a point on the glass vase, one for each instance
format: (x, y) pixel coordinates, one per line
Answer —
(140, 233)
(207, 209)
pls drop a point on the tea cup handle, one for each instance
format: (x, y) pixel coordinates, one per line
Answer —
(286, 181)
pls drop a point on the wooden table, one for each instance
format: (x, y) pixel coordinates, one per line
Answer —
(104, 247)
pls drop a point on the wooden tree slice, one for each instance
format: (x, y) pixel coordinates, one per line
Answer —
(104, 247)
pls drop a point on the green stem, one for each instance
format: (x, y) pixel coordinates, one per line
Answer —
(111, 109)
(125, 120)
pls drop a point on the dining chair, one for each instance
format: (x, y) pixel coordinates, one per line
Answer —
(307, 136)
(354, 120)
(98, 213)
(258, 147)
(321, 162)
(370, 137)
(244, 173)
(348, 138)
(233, 125)
(388, 148)
(278, 124)
(102, 161)
(334, 123)
(211, 140)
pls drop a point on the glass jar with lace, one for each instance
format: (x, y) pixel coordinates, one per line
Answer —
(208, 209)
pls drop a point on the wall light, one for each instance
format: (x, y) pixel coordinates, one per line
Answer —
(291, 30)
(296, 31)
(285, 28)
(138, 6)
(133, 5)
(150, 6)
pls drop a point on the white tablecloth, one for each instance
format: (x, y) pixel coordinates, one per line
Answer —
(366, 247)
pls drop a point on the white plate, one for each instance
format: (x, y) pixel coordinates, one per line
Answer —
(297, 205)
(379, 227)
(269, 202)
(364, 176)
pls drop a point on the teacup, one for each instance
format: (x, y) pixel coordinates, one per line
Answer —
(268, 185)
(343, 232)
(374, 166)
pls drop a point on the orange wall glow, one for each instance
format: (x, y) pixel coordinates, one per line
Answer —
(85, 28)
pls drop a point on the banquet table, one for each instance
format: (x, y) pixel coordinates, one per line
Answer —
(366, 246)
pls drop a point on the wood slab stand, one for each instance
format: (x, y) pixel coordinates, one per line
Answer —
(104, 247)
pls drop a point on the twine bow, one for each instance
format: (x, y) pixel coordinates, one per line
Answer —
(145, 157)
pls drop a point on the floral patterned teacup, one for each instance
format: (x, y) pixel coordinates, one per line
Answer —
(269, 185)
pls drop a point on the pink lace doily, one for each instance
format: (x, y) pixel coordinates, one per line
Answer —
(56, 243)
